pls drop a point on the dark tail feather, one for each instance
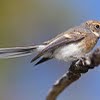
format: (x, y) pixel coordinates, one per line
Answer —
(42, 60)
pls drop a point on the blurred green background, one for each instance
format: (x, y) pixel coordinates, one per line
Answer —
(28, 22)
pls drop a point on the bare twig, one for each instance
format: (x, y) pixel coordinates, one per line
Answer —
(74, 73)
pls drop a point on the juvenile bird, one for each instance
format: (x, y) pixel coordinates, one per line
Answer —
(67, 46)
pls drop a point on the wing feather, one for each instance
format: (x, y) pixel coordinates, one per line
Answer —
(65, 39)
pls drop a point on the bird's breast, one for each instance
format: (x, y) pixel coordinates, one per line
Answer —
(69, 52)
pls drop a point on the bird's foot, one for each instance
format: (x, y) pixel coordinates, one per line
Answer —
(82, 64)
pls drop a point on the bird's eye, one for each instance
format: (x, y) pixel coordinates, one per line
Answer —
(97, 26)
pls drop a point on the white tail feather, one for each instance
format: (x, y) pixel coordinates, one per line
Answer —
(16, 51)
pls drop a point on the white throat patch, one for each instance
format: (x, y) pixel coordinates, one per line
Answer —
(96, 34)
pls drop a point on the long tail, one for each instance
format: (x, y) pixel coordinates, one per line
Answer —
(16, 51)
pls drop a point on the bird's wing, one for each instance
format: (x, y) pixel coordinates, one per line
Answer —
(65, 39)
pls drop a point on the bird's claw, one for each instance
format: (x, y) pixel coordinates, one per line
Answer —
(81, 62)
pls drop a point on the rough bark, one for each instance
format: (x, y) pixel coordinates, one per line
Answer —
(75, 71)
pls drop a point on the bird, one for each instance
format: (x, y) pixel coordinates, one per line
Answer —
(67, 46)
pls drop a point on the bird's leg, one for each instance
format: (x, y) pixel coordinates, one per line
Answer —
(84, 60)
(79, 63)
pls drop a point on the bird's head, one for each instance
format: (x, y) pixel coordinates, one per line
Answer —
(94, 27)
